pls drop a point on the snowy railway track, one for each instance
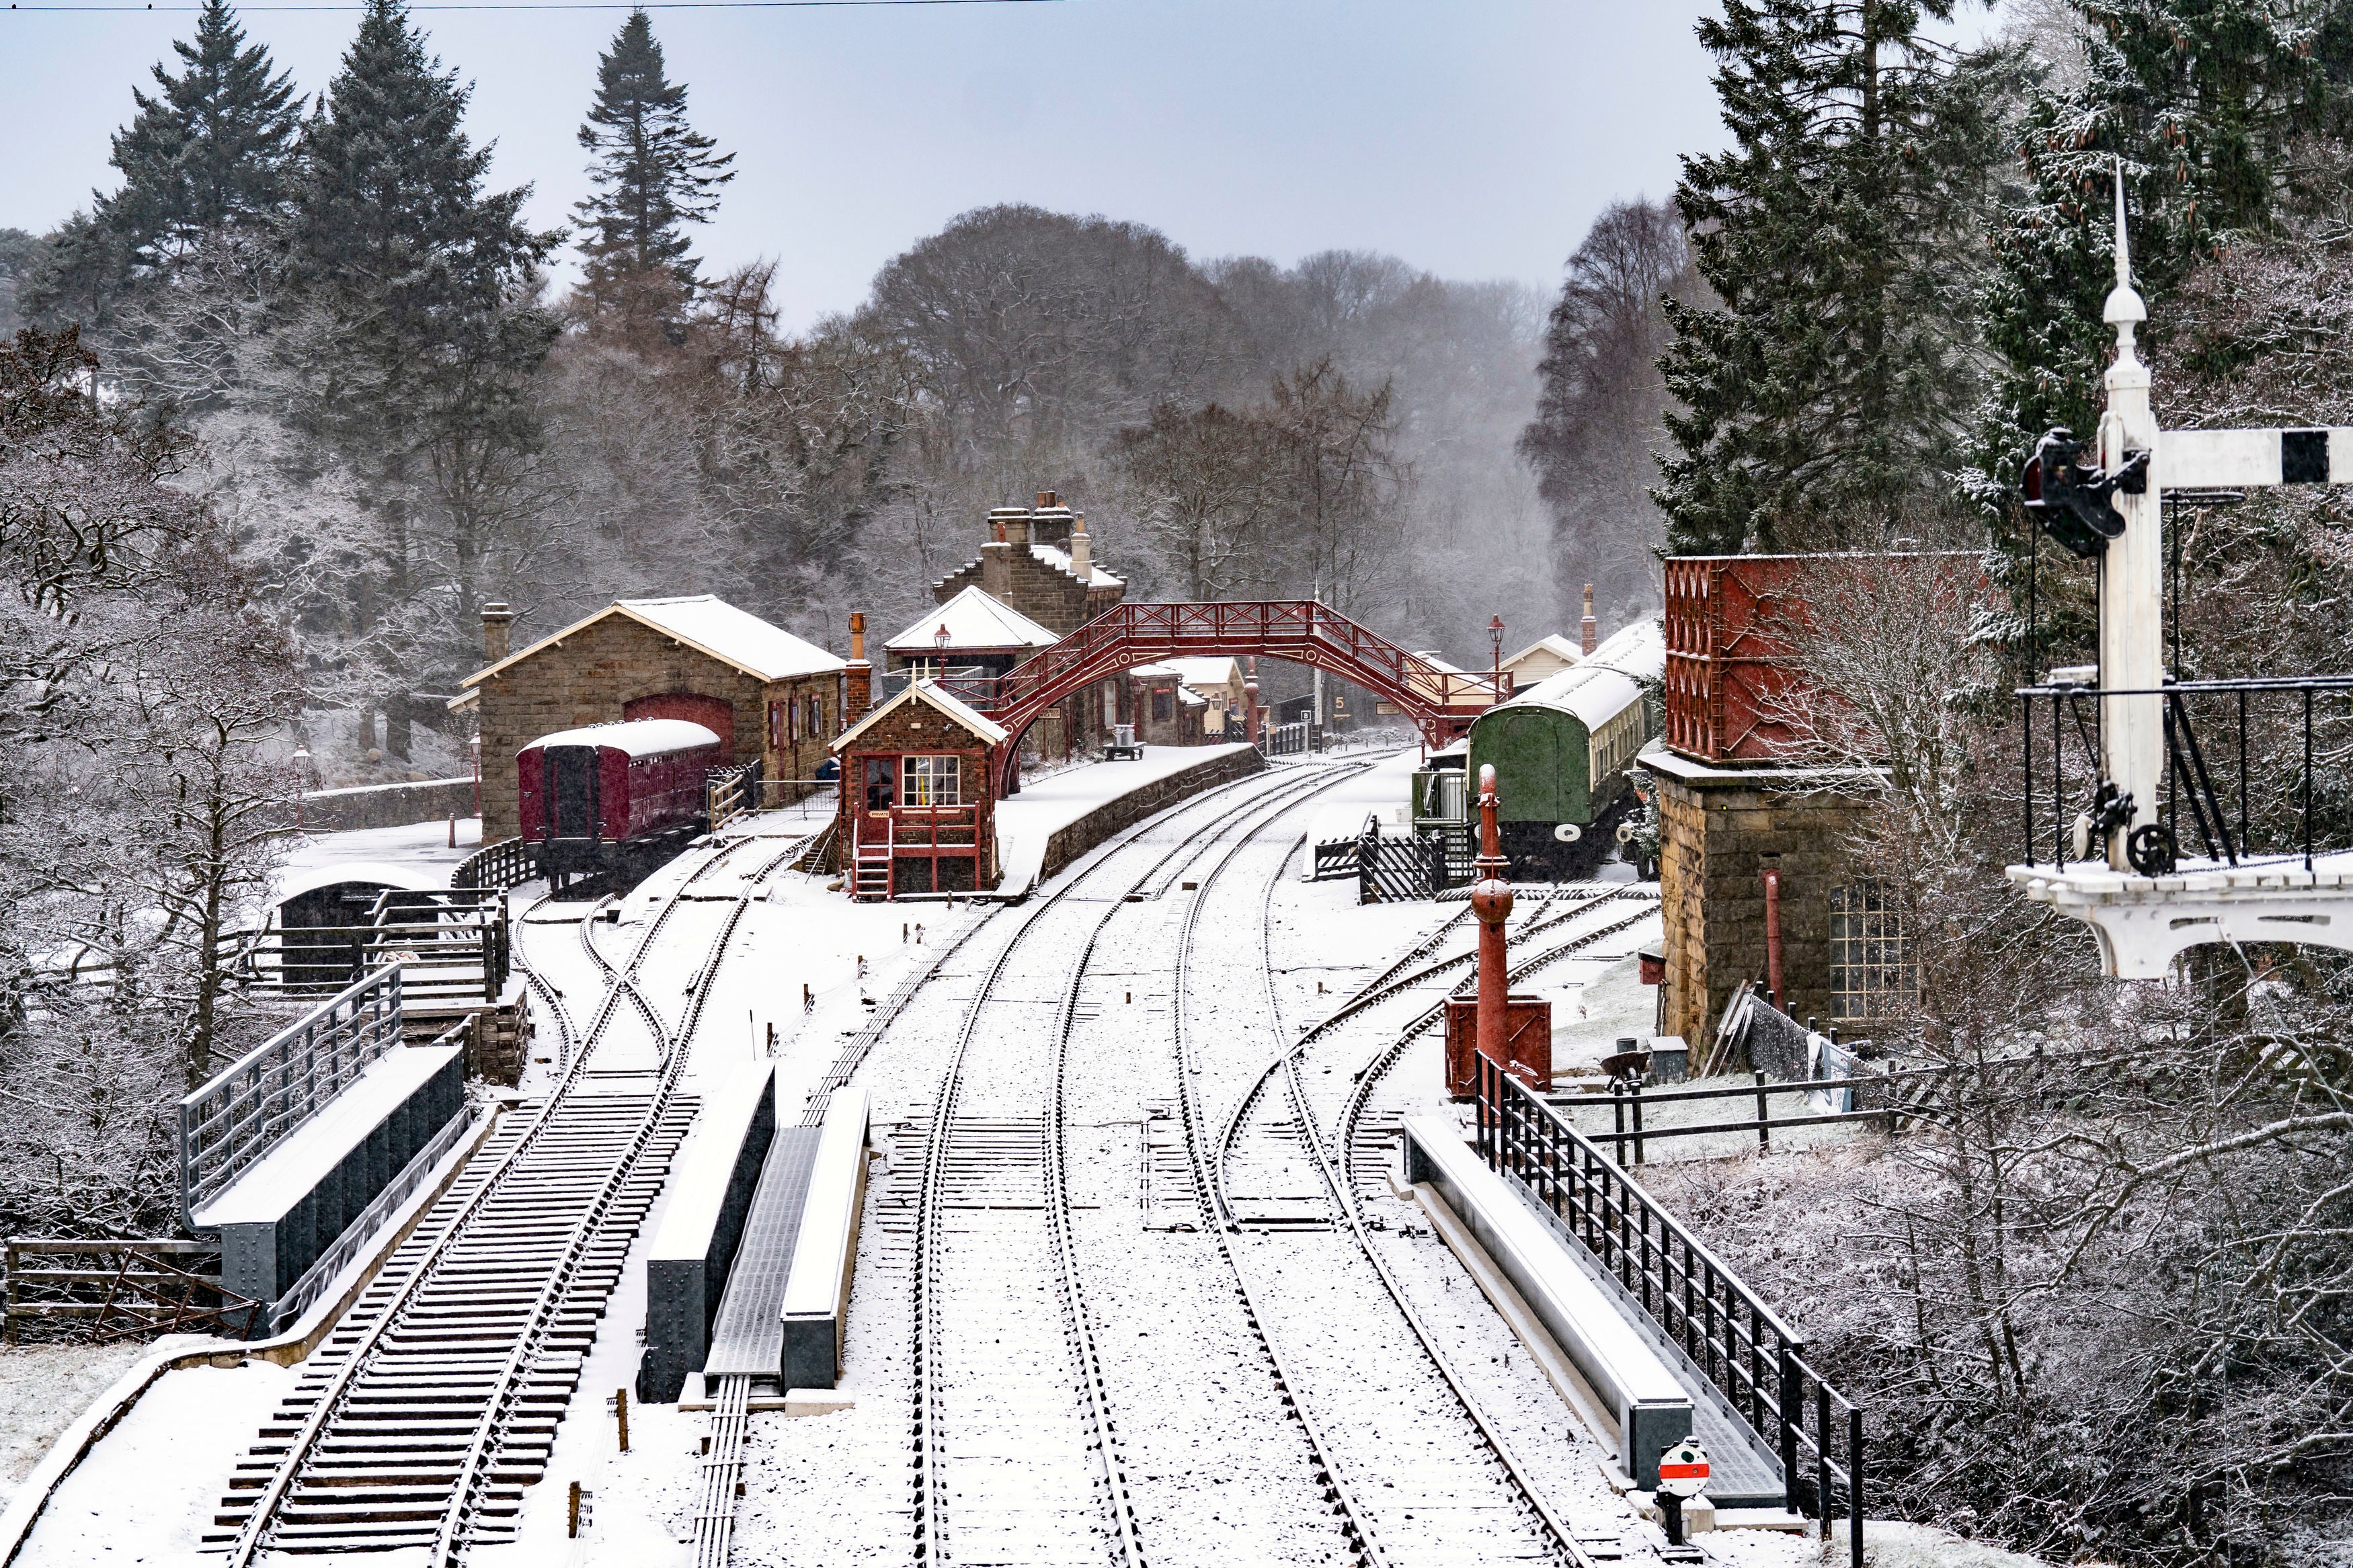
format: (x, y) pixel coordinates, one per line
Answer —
(434, 1402)
(1420, 1445)
(1018, 1455)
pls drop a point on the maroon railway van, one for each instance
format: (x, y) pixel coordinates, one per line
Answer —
(615, 797)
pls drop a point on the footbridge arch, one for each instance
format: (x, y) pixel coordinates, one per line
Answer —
(1304, 631)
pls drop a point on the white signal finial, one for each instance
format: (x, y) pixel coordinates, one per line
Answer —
(2123, 310)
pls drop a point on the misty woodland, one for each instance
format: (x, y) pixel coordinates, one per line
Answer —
(283, 411)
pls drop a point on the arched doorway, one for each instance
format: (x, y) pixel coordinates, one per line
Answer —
(715, 714)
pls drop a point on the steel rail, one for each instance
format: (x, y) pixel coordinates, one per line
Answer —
(491, 1424)
(1345, 1132)
(1208, 1183)
(541, 987)
(332, 1399)
(930, 1499)
(1391, 982)
(613, 976)
(1351, 1214)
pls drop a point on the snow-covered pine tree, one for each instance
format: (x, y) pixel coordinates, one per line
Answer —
(418, 327)
(653, 174)
(1822, 403)
(2206, 101)
(210, 151)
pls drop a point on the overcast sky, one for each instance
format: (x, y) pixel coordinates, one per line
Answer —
(1475, 138)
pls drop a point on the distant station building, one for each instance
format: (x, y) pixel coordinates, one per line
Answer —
(765, 692)
(1036, 577)
(1040, 562)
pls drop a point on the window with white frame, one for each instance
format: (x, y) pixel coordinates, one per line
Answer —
(929, 781)
(1872, 977)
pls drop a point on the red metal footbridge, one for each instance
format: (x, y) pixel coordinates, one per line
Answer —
(1304, 631)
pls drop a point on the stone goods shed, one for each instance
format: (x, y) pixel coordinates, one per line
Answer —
(768, 694)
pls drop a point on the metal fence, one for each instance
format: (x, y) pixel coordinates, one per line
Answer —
(1289, 740)
(2240, 763)
(1390, 871)
(1741, 1346)
(249, 1106)
(95, 1291)
(453, 944)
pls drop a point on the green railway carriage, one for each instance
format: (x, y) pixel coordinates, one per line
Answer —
(1561, 749)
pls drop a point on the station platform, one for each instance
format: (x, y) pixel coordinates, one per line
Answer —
(1060, 817)
(1633, 1382)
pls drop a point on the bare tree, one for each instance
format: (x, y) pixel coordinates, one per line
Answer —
(1599, 416)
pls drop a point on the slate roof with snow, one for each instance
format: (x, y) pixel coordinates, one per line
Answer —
(1060, 559)
(707, 623)
(976, 623)
(930, 693)
(1558, 646)
(1205, 670)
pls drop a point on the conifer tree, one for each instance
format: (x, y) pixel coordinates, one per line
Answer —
(653, 174)
(2205, 102)
(207, 153)
(1823, 402)
(416, 295)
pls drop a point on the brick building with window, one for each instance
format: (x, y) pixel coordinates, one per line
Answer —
(763, 691)
(918, 809)
(1737, 799)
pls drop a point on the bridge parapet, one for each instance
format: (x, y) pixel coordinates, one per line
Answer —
(1304, 631)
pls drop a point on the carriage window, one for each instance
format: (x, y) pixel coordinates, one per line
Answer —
(1871, 955)
(929, 781)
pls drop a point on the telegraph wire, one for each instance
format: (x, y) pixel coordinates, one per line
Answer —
(568, 5)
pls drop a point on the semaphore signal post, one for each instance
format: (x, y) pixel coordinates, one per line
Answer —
(2145, 900)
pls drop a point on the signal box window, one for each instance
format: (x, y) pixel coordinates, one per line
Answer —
(930, 781)
(1872, 979)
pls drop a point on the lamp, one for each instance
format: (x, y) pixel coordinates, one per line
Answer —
(301, 781)
(940, 646)
(1495, 637)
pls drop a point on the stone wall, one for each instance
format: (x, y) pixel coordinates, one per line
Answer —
(1719, 829)
(1074, 839)
(386, 805)
(590, 678)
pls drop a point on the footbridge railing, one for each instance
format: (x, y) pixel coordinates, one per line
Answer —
(1752, 1358)
(1304, 631)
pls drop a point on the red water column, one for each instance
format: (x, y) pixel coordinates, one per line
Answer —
(1491, 902)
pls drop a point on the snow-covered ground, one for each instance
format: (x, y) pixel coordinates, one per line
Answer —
(1217, 1465)
(42, 1389)
(418, 855)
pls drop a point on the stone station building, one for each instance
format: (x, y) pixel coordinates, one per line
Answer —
(765, 692)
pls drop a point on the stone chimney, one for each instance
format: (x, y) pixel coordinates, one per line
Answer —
(498, 631)
(1083, 548)
(858, 679)
(1587, 632)
(997, 557)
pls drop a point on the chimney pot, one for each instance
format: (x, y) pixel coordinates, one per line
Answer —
(1046, 498)
(1589, 632)
(498, 631)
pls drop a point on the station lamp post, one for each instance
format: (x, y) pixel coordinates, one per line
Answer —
(1496, 641)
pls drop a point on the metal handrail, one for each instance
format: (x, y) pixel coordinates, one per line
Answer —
(2189, 771)
(229, 1123)
(1743, 1349)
